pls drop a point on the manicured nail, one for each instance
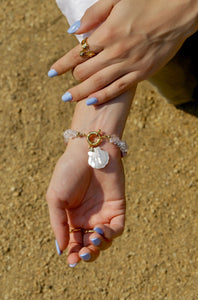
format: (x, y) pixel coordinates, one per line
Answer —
(91, 101)
(72, 266)
(67, 97)
(85, 256)
(57, 248)
(98, 230)
(96, 241)
(74, 27)
(52, 73)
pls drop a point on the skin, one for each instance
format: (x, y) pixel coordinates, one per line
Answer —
(80, 196)
(135, 39)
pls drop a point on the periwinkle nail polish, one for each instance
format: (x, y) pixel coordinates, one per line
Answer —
(57, 248)
(52, 73)
(74, 27)
(72, 265)
(91, 101)
(96, 241)
(85, 256)
(98, 230)
(67, 97)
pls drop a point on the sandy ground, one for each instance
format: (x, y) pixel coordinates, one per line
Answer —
(156, 257)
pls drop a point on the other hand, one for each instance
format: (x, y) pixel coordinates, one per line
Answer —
(133, 41)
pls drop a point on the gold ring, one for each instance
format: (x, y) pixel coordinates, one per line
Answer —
(85, 49)
(81, 230)
(88, 231)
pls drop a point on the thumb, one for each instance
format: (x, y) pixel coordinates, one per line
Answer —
(95, 15)
(59, 222)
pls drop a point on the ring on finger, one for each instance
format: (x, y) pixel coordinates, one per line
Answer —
(85, 51)
(81, 230)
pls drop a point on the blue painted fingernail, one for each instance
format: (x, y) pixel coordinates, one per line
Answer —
(74, 27)
(52, 73)
(57, 248)
(85, 256)
(72, 265)
(67, 97)
(91, 101)
(98, 230)
(96, 241)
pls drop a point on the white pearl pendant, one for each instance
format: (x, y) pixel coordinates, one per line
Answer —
(98, 158)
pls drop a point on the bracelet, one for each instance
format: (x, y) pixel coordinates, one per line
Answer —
(97, 158)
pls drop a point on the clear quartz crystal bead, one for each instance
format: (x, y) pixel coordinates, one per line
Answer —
(114, 139)
(70, 134)
(122, 145)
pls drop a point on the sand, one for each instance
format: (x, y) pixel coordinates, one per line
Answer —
(156, 257)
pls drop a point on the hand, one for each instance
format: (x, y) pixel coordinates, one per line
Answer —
(135, 40)
(81, 197)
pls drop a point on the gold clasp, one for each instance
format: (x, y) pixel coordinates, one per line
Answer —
(94, 138)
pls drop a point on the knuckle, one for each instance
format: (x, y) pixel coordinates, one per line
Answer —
(121, 85)
(79, 91)
(109, 34)
(78, 74)
(99, 81)
(103, 96)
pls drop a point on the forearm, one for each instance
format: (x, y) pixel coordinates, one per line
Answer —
(110, 117)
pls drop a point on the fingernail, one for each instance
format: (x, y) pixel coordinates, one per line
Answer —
(85, 256)
(57, 248)
(67, 97)
(52, 73)
(96, 241)
(91, 101)
(98, 230)
(72, 265)
(74, 27)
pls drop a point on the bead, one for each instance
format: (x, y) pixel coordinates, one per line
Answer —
(97, 158)
(120, 144)
(70, 134)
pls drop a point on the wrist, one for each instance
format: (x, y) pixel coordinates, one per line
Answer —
(94, 139)
(110, 117)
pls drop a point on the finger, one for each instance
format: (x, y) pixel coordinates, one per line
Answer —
(103, 232)
(59, 221)
(89, 253)
(94, 83)
(90, 66)
(99, 241)
(95, 15)
(112, 230)
(66, 62)
(75, 245)
(71, 59)
(124, 51)
(116, 88)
